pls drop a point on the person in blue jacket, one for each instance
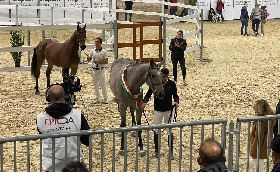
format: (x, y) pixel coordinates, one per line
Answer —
(244, 17)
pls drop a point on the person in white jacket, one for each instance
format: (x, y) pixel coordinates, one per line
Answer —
(60, 117)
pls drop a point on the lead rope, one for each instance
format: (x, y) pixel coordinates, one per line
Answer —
(175, 117)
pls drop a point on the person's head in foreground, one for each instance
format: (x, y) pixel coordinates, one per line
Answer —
(211, 158)
(56, 94)
(262, 108)
(75, 167)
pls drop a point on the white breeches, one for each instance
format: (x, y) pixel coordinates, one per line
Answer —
(158, 116)
(98, 77)
(253, 165)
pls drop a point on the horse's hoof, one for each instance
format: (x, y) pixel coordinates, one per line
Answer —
(142, 153)
(133, 133)
(121, 152)
(37, 93)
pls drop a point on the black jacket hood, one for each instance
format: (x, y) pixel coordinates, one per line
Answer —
(215, 167)
(57, 110)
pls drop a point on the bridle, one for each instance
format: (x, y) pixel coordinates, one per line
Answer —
(77, 32)
(149, 75)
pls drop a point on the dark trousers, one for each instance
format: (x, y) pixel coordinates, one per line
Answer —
(173, 11)
(244, 26)
(255, 25)
(221, 13)
(125, 16)
(181, 59)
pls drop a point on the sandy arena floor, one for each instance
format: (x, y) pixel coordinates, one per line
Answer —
(243, 69)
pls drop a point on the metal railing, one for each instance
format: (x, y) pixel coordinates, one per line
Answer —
(101, 153)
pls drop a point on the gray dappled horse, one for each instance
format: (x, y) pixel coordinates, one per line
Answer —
(126, 80)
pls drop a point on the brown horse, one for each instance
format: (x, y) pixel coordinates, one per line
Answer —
(63, 55)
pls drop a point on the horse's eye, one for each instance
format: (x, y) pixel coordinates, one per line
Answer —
(153, 76)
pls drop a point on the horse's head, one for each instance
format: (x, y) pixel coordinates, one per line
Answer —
(154, 80)
(81, 36)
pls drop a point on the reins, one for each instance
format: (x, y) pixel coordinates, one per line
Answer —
(169, 120)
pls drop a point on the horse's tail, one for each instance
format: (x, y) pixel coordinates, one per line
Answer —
(34, 63)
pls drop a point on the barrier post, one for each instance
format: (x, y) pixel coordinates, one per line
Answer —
(103, 30)
(28, 43)
(1, 157)
(202, 59)
(17, 23)
(52, 16)
(164, 41)
(230, 147)
(116, 36)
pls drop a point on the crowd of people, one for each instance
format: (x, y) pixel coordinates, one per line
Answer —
(258, 16)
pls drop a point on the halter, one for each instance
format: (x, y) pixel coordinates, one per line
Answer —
(127, 88)
(77, 37)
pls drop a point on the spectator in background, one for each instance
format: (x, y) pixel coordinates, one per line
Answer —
(264, 18)
(128, 6)
(256, 15)
(275, 147)
(192, 3)
(211, 157)
(75, 166)
(165, 7)
(59, 117)
(220, 7)
(244, 17)
(173, 9)
(261, 108)
(177, 47)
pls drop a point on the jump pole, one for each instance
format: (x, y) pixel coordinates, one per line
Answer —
(28, 44)
(116, 36)
(163, 19)
(202, 59)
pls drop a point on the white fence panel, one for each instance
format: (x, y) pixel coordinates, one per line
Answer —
(76, 16)
(272, 7)
(205, 5)
(45, 14)
(4, 12)
(27, 13)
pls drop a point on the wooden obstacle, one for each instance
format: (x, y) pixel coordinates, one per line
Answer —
(141, 42)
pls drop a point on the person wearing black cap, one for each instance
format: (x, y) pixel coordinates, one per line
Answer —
(275, 147)
(177, 47)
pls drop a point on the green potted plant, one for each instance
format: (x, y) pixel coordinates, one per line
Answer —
(17, 40)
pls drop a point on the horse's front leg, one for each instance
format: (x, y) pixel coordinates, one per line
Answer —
(132, 109)
(74, 70)
(123, 124)
(48, 74)
(140, 144)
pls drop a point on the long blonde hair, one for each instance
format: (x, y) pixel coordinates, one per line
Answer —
(262, 108)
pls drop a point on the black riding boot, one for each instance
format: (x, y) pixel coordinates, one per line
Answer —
(242, 31)
(156, 144)
(170, 143)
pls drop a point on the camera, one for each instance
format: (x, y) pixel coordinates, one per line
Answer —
(71, 86)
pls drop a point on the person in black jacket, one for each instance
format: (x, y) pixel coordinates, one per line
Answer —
(275, 147)
(128, 6)
(163, 107)
(275, 128)
(177, 47)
